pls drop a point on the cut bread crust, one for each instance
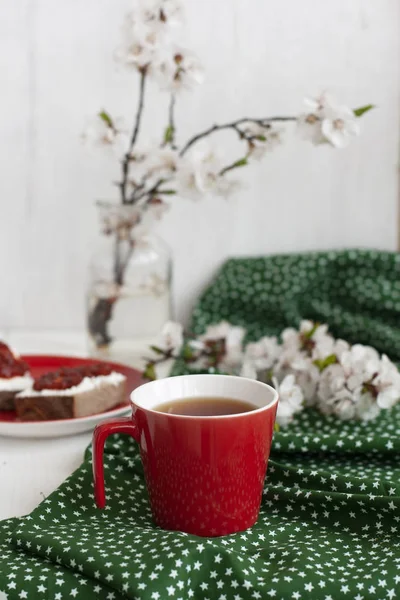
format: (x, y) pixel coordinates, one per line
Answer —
(82, 404)
(7, 399)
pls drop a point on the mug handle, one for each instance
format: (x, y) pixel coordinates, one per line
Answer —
(102, 431)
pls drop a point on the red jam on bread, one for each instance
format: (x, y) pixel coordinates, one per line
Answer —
(68, 377)
(10, 365)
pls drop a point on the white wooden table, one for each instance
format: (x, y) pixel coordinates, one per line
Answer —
(31, 469)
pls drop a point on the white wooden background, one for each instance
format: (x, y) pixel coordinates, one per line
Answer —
(261, 57)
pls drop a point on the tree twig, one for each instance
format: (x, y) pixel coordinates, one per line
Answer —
(152, 191)
(235, 126)
(117, 259)
(124, 263)
(135, 133)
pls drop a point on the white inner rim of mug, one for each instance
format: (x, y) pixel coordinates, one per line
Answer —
(150, 395)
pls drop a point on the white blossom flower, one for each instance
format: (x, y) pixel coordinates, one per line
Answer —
(261, 139)
(327, 346)
(177, 70)
(320, 104)
(309, 128)
(340, 347)
(342, 405)
(163, 161)
(146, 32)
(387, 384)
(233, 340)
(148, 165)
(143, 35)
(367, 408)
(387, 374)
(360, 364)
(329, 122)
(296, 340)
(334, 397)
(309, 123)
(196, 175)
(320, 330)
(263, 354)
(172, 11)
(119, 218)
(3, 595)
(290, 399)
(291, 339)
(171, 336)
(218, 331)
(332, 380)
(293, 362)
(308, 380)
(291, 359)
(342, 387)
(248, 370)
(200, 173)
(358, 385)
(139, 53)
(151, 212)
(323, 348)
(339, 125)
(388, 397)
(106, 133)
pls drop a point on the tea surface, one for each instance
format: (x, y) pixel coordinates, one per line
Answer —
(205, 407)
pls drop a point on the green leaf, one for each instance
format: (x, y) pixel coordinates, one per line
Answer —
(363, 109)
(150, 372)
(157, 350)
(106, 118)
(187, 352)
(308, 334)
(276, 427)
(240, 163)
(167, 192)
(169, 134)
(261, 138)
(325, 362)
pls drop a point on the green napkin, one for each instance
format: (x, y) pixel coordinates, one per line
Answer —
(330, 516)
(357, 292)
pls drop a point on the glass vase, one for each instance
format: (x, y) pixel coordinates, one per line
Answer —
(129, 295)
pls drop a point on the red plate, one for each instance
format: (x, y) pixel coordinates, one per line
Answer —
(40, 364)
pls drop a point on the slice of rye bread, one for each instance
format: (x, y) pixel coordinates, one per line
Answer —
(7, 399)
(46, 407)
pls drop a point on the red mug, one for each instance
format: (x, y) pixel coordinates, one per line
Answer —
(204, 475)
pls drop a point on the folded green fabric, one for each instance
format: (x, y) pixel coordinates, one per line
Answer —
(357, 292)
(330, 517)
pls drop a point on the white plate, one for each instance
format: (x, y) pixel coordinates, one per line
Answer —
(39, 364)
(59, 428)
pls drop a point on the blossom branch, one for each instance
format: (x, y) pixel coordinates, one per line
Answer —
(212, 354)
(307, 366)
(124, 263)
(152, 191)
(117, 260)
(235, 126)
(135, 133)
